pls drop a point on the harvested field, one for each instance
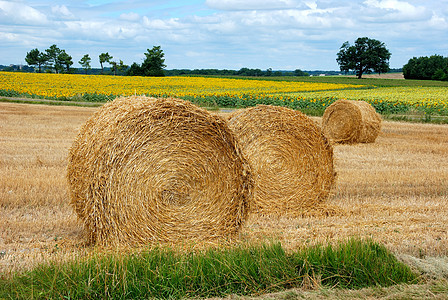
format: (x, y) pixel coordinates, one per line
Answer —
(383, 75)
(394, 191)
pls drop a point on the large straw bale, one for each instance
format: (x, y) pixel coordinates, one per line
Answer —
(145, 169)
(291, 160)
(351, 121)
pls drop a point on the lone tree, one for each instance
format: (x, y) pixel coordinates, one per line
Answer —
(365, 56)
(36, 58)
(104, 57)
(153, 65)
(85, 62)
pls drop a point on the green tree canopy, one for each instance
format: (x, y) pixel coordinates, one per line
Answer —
(85, 62)
(154, 63)
(52, 54)
(298, 72)
(118, 67)
(104, 57)
(135, 70)
(58, 59)
(365, 56)
(65, 61)
(434, 67)
(249, 72)
(36, 58)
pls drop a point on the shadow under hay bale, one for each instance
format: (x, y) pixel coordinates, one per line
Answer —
(291, 160)
(350, 121)
(145, 169)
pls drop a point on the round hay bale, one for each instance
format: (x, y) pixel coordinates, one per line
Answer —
(350, 121)
(290, 158)
(145, 169)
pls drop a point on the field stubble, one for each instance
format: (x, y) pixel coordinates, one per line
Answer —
(394, 191)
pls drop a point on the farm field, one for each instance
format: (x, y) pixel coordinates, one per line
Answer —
(66, 86)
(394, 191)
(312, 95)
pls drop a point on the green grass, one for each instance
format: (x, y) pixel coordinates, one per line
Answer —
(417, 117)
(50, 102)
(242, 270)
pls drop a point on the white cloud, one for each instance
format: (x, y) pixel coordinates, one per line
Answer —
(391, 4)
(251, 4)
(395, 11)
(311, 4)
(439, 22)
(224, 27)
(130, 17)
(98, 30)
(250, 22)
(223, 33)
(62, 12)
(9, 37)
(159, 24)
(18, 13)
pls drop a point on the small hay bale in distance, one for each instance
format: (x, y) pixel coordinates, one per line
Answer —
(290, 158)
(145, 169)
(350, 122)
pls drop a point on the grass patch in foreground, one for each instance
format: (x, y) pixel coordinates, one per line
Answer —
(242, 270)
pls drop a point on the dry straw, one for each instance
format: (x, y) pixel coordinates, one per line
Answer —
(145, 169)
(291, 160)
(349, 122)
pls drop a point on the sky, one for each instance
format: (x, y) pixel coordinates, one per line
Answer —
(223, 34)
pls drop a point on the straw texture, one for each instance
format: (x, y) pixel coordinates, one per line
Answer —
(145, 169)
(291, 160)
(349, 122)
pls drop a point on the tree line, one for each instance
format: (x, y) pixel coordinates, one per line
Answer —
(434, 67)
(241, 72)
(57, 60)
(53, 58)
(366, 55)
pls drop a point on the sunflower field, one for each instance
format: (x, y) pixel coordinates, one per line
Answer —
(307, 96)
(68, 86)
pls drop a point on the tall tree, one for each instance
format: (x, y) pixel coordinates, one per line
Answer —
(52, 53)
(104, 57)
(36, 58)
(85, 62)
(154, 63)
(118, 67)
(114, 65)
(65, 60)
(122, 67)
(365, 56)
